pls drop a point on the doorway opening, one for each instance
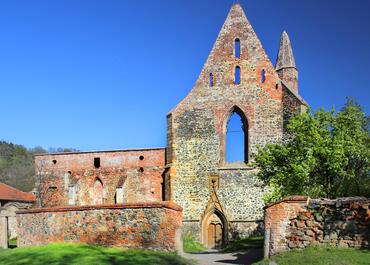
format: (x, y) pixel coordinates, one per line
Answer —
(214, 229)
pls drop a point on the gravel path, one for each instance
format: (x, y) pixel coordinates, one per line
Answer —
(211, 257)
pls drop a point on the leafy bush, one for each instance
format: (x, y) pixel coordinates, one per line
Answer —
(328, 156)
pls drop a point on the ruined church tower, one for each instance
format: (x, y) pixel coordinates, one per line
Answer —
(222, 199)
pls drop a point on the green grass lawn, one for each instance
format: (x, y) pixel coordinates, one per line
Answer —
(191, 245)
(78, 254)
(322, 256)
(243, 244)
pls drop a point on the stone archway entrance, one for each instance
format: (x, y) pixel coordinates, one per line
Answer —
(214, 229)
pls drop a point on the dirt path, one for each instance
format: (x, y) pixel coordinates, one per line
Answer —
(211, 257)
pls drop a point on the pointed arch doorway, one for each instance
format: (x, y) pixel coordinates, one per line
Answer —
(214, 229)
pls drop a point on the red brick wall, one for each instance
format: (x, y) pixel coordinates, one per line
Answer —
(140, 225)
(141, 178)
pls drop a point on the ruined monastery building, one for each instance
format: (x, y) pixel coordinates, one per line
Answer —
(149, 197)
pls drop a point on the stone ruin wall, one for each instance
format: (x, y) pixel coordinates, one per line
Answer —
(140, 225)
(298, 222)
(138, 172)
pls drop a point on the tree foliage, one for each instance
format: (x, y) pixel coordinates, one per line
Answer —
(16, 164)
(327, 156)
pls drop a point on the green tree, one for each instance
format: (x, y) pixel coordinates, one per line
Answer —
(327, 156)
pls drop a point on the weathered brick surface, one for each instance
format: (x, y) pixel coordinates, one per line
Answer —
(140, 178)
(196, 127)
(299, 222)
(144, 225)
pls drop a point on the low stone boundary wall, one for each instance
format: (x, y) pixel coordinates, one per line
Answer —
(140, 225)
(298, 222)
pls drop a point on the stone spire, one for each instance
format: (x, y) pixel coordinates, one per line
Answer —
(285, 57)
(285, 63)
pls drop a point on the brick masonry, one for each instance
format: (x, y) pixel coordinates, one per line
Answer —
(140, 225)
(137, 172)
(298, 222)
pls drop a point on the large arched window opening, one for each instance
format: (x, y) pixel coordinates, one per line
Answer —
(98, 192)
(236, 139)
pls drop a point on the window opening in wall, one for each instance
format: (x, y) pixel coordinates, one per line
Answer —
(120, 189)
(119, 195)
(211, 80)
(263, 76)
(71, 195)
(276, 86)
(141, 157)
(237, 48)
(236, 139)
(54, 161)
(237, 75)
(98, 192)
(141, 170)
(97, 162)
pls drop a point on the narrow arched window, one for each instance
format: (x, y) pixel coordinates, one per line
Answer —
(237, 137)
(237, 48)
(263, 76)
(98, 192)
(211, 80)
(120, 190)
(237, 75)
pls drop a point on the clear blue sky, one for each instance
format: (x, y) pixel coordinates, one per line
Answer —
(103, 74)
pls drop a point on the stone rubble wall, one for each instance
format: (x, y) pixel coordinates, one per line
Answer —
(139, 225)
(298, 222)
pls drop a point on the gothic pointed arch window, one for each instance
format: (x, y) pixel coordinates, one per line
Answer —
(237, 48)
(236, 138)
(98, 192)
(119, 196)
(211, 80)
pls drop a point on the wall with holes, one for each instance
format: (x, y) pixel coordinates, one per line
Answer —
(93, 178)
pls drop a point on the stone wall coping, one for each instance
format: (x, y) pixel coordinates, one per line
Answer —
(338, 202)
(295, 198)
(101, 151)
(236, 168)
(165, 204)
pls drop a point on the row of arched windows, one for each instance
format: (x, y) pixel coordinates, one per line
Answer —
(237, 71)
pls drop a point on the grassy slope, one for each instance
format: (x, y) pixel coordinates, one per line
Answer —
(322, 256)
(191, 245)
(76, 254)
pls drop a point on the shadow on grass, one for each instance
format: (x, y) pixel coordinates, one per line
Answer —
(74, 254)
(244, 244)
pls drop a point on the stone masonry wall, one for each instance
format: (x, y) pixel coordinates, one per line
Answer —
(145, 225)
(137, 172)
(196, 127)
(298, 222)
